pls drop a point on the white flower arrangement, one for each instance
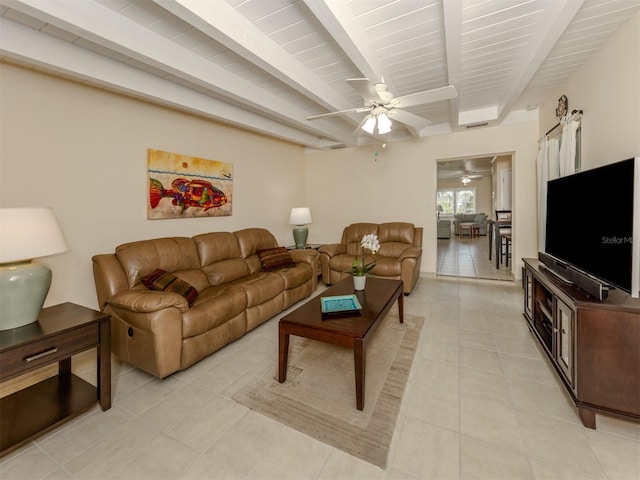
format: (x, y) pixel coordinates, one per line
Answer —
(369, 242)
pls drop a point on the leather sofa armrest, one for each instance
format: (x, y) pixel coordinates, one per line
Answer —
(301, 255)
(333, 249)
(411, 252)
(146, 301)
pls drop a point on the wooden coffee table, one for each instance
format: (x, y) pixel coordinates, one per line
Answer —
(346, 330)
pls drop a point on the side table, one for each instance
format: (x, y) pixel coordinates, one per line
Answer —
(311, 246)
(60, 332)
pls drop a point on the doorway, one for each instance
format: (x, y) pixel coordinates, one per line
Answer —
(467, 188)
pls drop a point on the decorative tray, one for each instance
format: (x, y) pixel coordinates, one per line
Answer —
(340, 304)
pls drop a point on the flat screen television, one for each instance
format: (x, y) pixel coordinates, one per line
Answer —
(593, 228)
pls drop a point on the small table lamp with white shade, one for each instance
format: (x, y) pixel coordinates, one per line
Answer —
(25, 234)
(300, 217)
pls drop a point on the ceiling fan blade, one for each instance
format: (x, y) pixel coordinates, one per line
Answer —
(409, 119)
(341, 112)
(364, 87)
(428, 96)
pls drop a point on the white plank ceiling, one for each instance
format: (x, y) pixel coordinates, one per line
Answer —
(267, 65)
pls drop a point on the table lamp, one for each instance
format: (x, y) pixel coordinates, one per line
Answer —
(300, 217)
(25, 234)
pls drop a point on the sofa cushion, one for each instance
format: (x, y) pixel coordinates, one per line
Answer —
(352, 235)
(226, 271)
(216, 246)
(387, 266)
(296, 276)
(275, 258)
(214, 306)
(251, 240)
(401, 232)
(393, 249)
(261, 287)
(344, 262)
(173, 254)
(164, 281)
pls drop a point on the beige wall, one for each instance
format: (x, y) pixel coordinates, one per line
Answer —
(607, 89)
(350, 185)
(83, 152)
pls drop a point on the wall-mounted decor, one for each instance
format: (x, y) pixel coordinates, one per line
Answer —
(181, 186)
(563, 106)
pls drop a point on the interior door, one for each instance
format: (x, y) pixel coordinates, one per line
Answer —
(505, 190)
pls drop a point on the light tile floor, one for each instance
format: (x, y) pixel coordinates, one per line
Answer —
(482, 403)
(469, 257)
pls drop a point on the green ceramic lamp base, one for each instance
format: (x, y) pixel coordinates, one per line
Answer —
(23, 289)
(300, 233)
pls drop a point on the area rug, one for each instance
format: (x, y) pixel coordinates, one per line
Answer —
(319, 399)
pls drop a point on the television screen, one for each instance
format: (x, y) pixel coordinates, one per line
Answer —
(590, 222)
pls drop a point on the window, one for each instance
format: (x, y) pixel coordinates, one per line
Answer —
(456, 200)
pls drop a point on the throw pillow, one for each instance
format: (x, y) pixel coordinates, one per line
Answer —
(275, 259)
(162, 280)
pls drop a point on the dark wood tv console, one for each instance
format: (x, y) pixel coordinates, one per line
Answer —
(594, 346)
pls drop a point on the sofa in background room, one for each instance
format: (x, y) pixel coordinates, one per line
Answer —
(444, 228)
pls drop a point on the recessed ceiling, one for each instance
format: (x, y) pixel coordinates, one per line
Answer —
(475, 167)
(268, 65)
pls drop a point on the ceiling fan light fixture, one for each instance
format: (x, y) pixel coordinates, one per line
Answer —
(465, 180)
(369, 125)
(384, 124)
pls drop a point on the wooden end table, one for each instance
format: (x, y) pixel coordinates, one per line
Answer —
(60, 332)
(353, 331)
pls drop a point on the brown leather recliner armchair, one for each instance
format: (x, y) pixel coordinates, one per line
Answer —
(399, 256)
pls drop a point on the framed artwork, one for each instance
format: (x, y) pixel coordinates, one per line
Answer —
(181, 186)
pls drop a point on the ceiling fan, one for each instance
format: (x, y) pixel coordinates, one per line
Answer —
(382, 106)
(467, 177)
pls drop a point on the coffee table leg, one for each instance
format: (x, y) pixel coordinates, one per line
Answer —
(359, 362)
(401, 307)
(283, 353)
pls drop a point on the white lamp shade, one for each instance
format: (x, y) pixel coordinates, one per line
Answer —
(384, 124)
(369, 125)
(300, 216)
(27, 233)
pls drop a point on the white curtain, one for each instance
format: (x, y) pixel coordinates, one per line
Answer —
(567, 156)
(556, 158)
(553, 153)
(543, 176)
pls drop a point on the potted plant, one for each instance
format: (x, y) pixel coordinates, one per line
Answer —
(359, 267)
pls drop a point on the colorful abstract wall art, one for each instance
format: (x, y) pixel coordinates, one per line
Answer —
(181, 186)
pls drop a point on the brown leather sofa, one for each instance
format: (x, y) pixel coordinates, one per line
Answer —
(399, 256)
(158, 332)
